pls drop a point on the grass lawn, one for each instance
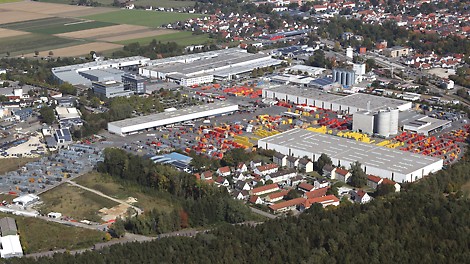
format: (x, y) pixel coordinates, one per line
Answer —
(12, 164)
(29, 43)
(107, 185)
(8, 1)
(183, 38)
(466, 188)
(38, 235)
(74, 202)
(141, 17)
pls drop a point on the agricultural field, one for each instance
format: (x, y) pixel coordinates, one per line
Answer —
(37, 235)
(74, 202)
(184, 38)
(141, 17)
(108, 186)
(60, 30)
(153, 3)
(55, 25)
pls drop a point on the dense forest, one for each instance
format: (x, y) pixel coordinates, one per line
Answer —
(428, 222)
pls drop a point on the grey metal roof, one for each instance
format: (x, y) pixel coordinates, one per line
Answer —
(8, 226)
(351, 150)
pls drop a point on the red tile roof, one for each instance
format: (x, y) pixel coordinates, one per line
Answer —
(296, 201)
(329, 199)
(267, 167)
(224, 169)
(272, 186)
(374, 178)
(306, 186)
(341, 171)
(388, 181)
(317, 193)
(253, 198)
(361, 193)
(277, 195)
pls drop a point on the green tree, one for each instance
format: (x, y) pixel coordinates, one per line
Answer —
(358, 176)
(68, 88)
(321, 162)
(384, 189)
(5, 84)
(292, 194)
(118, 229)
(47, 114)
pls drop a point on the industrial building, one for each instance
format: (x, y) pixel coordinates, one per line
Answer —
(349, 104)
(421, 124)
(399, 166)
(202, 68)
(345, 77)
(136, 124)
(383, 122)
(103, 75)
(71, 73)
(110, 89)
(396, 51)
(134, 83)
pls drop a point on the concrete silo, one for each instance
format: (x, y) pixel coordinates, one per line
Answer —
(382, 123)
(394, 121)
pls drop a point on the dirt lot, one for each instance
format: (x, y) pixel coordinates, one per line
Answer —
(4, 33)
(103, 32)
(79, 49)
(42, 8)
(17, 16)
(138, 35)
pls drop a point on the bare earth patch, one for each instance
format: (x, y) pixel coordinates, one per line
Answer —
(78, 50)
(112, 213)
(5, 33)
(138, 35)
(17, 16)
(42, 8)
(102, 32)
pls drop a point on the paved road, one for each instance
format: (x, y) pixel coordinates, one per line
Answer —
(138, 210)
(263, 213)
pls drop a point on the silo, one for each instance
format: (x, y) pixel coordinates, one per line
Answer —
(394, 121)
(382, 123)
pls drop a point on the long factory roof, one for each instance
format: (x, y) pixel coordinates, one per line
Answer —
(358, 100)
(351, 150)
(166, 115)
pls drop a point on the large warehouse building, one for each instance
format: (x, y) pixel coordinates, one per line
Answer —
(84, 73)
(350, 104)
(397, 165)
(136, 124)
(202, 68)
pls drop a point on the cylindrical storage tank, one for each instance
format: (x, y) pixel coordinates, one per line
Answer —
(382, 122)
(394, 121)
(343, 78)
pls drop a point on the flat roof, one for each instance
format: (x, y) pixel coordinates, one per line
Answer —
(357, 100)
(172, 114)
(351, 150)
(426, 123)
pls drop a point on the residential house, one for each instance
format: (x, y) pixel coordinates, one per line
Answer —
(282, 176)
(221, 181)
(265, 189)
(266, 169)
(324, 201)
(328, 171)
(242, 186)
(292, 162)
(322, 183)
(223, 171)
(373, 181)
(360, 196)
(207, 175)
(240, 195)
(305, 187)
(239, 177)
(305, 165)
(255, 163)
(280, 159)
(277, 196)
(254, 199)
(287, 205)
(316, 193)
(296, 180)
(241, 167)
(342, 175)
(396, 185)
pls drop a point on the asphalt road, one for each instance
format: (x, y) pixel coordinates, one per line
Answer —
(263, 213)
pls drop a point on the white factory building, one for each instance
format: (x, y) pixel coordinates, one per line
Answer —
(71, 73)
(397, 165)
(350, 104)
(141, 123)
(195, 69)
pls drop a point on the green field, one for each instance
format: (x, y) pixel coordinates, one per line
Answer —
(12, 164)
(141, 17)
(31, 42)
(8, 1)
(106, 185)
(55, 25)
(74, 202)
(38, 235)
(183, 38)
(153, 3)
